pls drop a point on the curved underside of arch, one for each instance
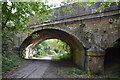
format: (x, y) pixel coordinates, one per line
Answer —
(77, 49)
(112, 58)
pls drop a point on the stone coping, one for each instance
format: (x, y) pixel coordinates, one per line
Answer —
(95, 53)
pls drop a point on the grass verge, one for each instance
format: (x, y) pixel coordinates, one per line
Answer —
(9, 62)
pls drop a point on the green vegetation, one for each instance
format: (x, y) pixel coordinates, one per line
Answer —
(76, 71)
(15, 18)
(10, 58)
(70, 10)
(42, 49)
(16, 15)
(61, 56)
(58, 48)
(114, 44)
(63, 50)
(9, 62)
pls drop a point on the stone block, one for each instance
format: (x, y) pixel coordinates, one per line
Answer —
(95, 65)
(95, 60)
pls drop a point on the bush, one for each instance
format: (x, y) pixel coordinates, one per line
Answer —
(60, 49)
(61, 56)
(41, 49)
(63, 50)
(9, 62)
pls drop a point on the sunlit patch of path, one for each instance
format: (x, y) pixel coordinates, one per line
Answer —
(44, 58)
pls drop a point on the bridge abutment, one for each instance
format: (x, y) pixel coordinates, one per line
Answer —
(95, 60)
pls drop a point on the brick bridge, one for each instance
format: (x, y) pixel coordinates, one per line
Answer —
(87, 32)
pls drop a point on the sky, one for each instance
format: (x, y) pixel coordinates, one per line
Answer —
(55, 2)
(50, 2)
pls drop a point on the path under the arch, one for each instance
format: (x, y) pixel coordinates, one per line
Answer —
(49, 57)
(40, 69)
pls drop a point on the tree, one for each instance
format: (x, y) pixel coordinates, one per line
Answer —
(83, 4)
(16, 15)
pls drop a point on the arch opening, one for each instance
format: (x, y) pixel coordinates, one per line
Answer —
(77, 49)
(51, 49)
(112, 59)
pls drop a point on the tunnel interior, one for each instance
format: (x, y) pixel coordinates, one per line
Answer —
(77, 49)
(112, 59)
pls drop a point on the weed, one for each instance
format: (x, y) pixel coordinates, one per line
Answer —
(9, 62)
(76, 71)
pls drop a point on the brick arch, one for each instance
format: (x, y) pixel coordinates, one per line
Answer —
(77, 48)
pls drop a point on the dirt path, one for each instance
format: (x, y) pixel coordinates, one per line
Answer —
(35, 69)
(55, 69)
(40, 69)
(46, 69)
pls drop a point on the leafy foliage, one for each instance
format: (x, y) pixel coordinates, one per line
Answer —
(63, 51)
(34, 36)
(60, 49)
(61, 56)
(42, 49)
(63, 47)
(10, 59)
(8, 62)
(15, 17)
(86, 5)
